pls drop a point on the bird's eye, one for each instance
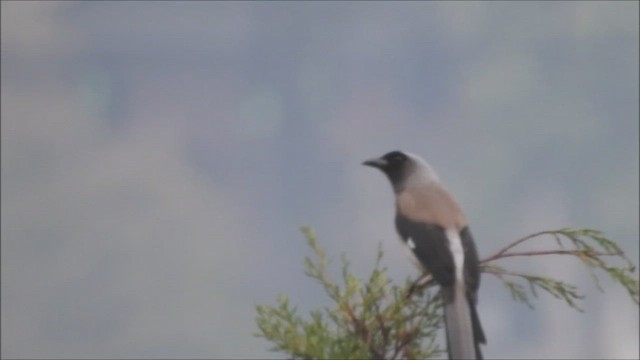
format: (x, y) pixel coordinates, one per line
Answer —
(396, 157)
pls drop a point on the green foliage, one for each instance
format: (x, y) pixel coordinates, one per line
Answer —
(588, 245)
(369, 319)
(374, 318)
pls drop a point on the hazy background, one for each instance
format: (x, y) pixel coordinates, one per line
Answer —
(159, 157)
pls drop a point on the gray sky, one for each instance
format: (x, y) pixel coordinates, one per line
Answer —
(159, 157)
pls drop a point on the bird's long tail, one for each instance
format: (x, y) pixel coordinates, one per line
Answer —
(463, 328)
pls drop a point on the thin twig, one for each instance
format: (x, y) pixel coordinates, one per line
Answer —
(588, 253)
(518, 242)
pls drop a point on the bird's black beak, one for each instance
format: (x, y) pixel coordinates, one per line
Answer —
(376, 163)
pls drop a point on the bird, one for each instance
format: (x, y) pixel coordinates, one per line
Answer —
(431, 223)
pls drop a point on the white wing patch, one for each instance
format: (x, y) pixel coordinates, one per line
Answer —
(455, 245)
(410, 247)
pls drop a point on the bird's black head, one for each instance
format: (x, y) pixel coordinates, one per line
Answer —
(394, 164)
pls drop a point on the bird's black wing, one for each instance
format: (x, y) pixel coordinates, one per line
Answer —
(471, 265)
(472, 279)
(430, 246)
